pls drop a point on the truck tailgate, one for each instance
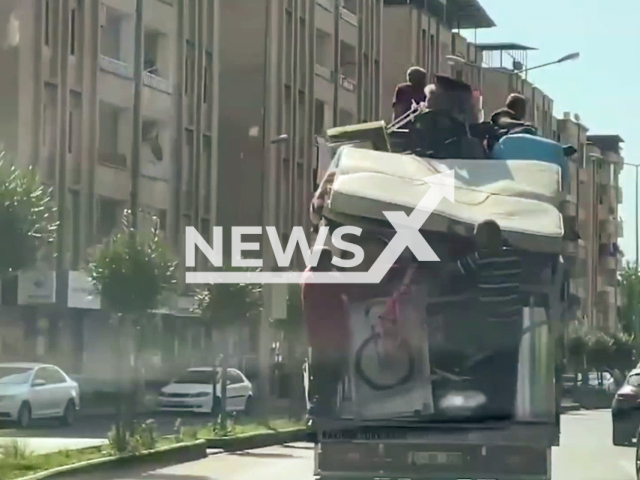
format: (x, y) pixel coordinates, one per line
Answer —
(414, 461)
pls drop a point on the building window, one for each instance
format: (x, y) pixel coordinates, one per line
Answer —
(186, 74)
(44, 124)
(318, 120)
(108, 213)
(205, 85)
(47, 15)
(72, 41)
(70, 133)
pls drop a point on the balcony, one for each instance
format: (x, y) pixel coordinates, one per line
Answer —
(620, 225)
(608, 262)
(583, 175)
(326, 4)
(570, 207)
(604, 175)
(349, 17)
(619, 195)
(606, 295)
(115, 67)
(569, 248)
(157, 83)
(324, 72)
(113, 159)
(604, 212)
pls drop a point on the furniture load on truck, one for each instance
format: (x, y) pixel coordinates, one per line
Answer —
(428, 397)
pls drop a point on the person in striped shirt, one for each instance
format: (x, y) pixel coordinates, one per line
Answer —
(493, 271)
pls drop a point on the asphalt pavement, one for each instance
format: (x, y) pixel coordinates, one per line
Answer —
(585, 453)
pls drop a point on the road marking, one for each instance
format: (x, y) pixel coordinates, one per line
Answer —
(629, 468)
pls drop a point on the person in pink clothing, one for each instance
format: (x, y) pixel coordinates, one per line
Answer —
(326, 318)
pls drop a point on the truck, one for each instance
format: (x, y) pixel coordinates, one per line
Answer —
(426, 413)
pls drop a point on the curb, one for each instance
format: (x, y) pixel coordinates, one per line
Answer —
(257, 440)
(572, 407)
(170, 455)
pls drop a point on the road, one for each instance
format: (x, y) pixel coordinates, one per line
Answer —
(585, 453)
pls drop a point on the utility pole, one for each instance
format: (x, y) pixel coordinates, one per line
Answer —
(637, 219)
(269, 208)
(137, 114)
(131, 325)
(337, 7)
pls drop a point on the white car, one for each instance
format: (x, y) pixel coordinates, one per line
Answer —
(34, 390)
(192, 392)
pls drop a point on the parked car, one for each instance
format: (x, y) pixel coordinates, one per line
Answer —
(625, 410)
(192, 392)
(34, 391)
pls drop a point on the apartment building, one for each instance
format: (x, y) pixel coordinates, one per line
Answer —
(68, 111)
(289, 69)
(421, 32)
(593, 208)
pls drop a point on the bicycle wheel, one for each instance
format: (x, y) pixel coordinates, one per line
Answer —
(379, 384)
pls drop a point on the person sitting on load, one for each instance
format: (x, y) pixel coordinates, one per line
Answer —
(512, 115)
(410, 93)
(453, 97)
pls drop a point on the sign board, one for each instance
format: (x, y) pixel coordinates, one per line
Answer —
(82, 293)
(36, 287)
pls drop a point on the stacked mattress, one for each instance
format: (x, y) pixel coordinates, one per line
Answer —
(523, 196)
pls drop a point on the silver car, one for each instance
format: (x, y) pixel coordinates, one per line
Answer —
(34, 391)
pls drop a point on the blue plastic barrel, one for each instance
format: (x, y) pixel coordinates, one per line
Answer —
(530, 147)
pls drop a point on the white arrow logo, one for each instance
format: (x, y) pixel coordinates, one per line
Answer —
(407, 236)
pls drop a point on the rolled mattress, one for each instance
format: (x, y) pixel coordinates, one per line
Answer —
(522, 196)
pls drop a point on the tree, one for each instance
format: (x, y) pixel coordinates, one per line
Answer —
(624, 353)
(131, 273)
(27, 217)
(630, 295)
(292, 332)
(599, 352)
(577, 345)
(222, 306)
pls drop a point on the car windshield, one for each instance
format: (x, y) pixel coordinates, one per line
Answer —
(634, 380)
(195, 376)
(15, 375)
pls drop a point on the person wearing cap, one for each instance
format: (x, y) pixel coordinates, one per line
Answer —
(326, 318)
(513, 114)
(410, 92)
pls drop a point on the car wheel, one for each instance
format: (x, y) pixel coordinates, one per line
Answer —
(637, 461)
(24, 415)
(248, 406)
(69, 414)
(621, 437)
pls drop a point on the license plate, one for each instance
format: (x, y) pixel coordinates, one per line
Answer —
(435, 458)
(173, 402)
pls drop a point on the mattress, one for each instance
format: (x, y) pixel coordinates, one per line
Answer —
(522, 196)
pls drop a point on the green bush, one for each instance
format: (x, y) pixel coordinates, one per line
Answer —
(146, 435)
(27, 217)
(14, 450)
(119, 440)
(133, 271)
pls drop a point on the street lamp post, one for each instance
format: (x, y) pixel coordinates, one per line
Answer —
(566, 58)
